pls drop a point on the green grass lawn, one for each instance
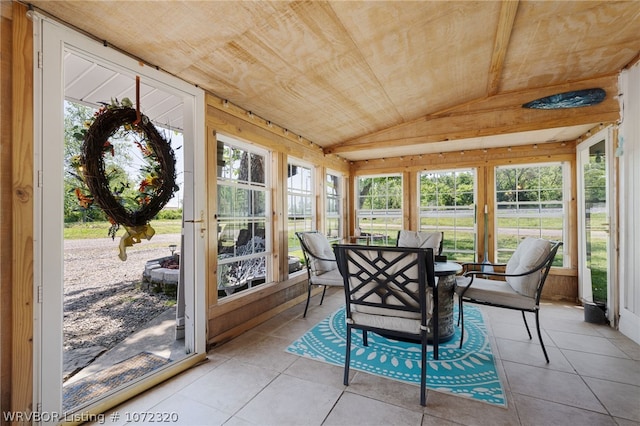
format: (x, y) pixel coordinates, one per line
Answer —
(77, 231)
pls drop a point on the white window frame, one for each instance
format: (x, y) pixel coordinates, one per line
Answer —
(566, 198)
(337, 198)
(300, 192)
(386, 215)
(425, 212)
(266, 188)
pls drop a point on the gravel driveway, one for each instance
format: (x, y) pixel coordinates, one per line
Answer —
(103, 301)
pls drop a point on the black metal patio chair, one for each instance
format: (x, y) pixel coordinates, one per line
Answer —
(322, 268)
(390, 291)
(519, 287)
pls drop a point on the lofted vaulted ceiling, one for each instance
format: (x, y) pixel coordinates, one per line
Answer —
(369, 79)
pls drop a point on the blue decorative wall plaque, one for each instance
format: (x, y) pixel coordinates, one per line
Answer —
(573, 99)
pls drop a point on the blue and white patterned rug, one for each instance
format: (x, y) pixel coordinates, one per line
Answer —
(469, 372)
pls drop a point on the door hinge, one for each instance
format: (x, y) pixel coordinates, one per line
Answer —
(40, 59)
(40, 180)
(39, 295)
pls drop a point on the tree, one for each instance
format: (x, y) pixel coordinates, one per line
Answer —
(78, 205)
(522, 184)
(595, 181)
(446, 189)
(380, 193)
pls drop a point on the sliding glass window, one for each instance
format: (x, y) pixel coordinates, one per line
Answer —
(530, 201)
(243, 205)
(447, 204)
(379, 209)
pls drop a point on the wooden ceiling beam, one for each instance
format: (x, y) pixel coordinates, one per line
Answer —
(516, 98)
(508, 11)
(467, 158)
(497, 115)
(465, 127)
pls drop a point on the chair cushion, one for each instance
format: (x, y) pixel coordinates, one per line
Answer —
(319, 246)
(396, 313)
(406, 325)
(420, 240)
(331, 277)
(528, 255)
(494, 292)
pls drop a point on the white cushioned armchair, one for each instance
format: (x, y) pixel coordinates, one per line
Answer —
(322, 268)
(519, 287)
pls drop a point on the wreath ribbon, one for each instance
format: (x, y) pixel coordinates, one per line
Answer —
(134, 235)
(135, 222)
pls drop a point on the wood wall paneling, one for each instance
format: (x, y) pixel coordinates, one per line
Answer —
(411, 218)
(227, 118)
(553, 151)
(330, 76)
(560, 287)
(352, 201)
(483, 199)
(6, 199)
(279, 216)
(499, 115)
(22, 212)
(211, 173)
(562, 282)
(240, 313)
(570, 247)
(320, 190)
(489, 198)
(230, 316)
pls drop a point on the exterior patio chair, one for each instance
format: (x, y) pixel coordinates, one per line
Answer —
(421, 239)
(386, 291)
(322, 268)
(519, 287)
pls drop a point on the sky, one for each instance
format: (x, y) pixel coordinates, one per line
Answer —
(176, 143)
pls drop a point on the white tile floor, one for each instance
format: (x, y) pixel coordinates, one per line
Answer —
(593, 379)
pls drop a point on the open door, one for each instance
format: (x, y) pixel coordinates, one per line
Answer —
(596, 265)
(68, 61)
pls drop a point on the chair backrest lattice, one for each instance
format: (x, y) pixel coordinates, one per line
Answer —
(389, 278)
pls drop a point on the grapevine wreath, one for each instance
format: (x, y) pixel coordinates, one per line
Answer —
(157, 187)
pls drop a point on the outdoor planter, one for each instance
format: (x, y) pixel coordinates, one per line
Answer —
(163, 274)
(595, 312)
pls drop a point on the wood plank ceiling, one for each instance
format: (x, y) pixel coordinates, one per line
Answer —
(359, 77)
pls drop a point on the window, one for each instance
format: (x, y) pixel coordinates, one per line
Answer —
(243, 197)
(530, 202)
(300, 208)
(333, 218)
(447, 204)
(379, 210)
